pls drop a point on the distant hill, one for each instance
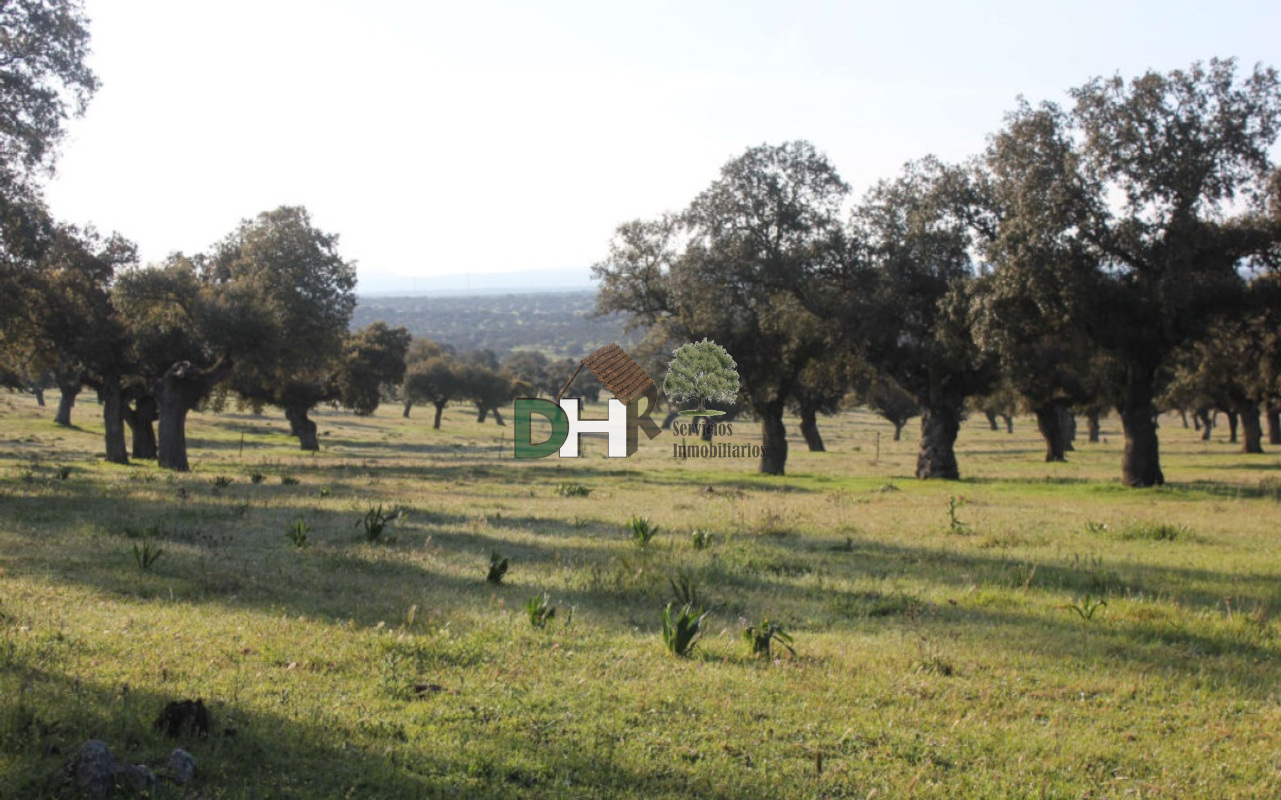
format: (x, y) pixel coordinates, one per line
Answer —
(560, 324)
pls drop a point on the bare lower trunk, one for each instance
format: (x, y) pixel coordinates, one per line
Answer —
(113, 421)
(303, 427)
(898, 430)
(66, 402)
(940, 422)
(176, 393)
(139, 420)
(1092, 426)
(39, 393)
(809, 430)
(498, 417)
(1274, 424)
(1009, 423)
(1049, 421)
(1233, 420)
(1067, 424)
(1207, 422)
(705, 430)
(482, 413)
(991, 420)
(773, 439)
(1141, 461)
(1251, 428)
(408, 405)
(671, 417)
(440, 409)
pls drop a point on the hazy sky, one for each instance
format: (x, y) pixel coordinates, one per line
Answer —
(499, 136)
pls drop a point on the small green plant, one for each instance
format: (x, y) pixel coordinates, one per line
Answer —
(288, 480)
(761, 637)
(700, 539)
(682, 628)
(1086, 607)
(954, 522)
(323, 492)
(63, 472)
(147, 555)
(375, 522)
(572, 490)
(222, 481)
(540, 610)
(1154, 532)
(641, 530)
(685, 588)
(256, 478)
(497, 568)
(298, 533)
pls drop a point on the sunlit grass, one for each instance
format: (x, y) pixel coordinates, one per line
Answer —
(930, 661)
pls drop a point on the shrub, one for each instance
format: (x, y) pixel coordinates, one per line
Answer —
(298, 533)
(700, 539)
(147, 555)
(572, 490)
(375, 522)
(762, 636)
(497, 568)
(641, 530)
(540, 610)
(222, 481)
(682, 628)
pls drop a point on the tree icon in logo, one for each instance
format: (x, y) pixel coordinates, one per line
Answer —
(702, 371)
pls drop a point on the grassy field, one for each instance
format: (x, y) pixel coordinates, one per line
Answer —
(1032, 631)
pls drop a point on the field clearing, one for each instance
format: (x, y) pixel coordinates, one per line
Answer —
(1033, 630)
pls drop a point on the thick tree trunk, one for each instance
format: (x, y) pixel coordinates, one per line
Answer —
(1009, 423)
(39, 393)
(303, 427)
(1274, 424)
(498, 417)
(898, 430)
(1067, 423)
(940, 422)
(809, 430)
(1233, 420)
(1141, 461)
(482, 413)
(176, 393)
(1092, 426)
(408, 405)
(440, 409)
(1251, 428)
(113, 421)
(705, 431)
(773, 439)
(671, 417)
(1207, 422)
(66, 401)
(991, 420)
(1049, 421)
(140, 419)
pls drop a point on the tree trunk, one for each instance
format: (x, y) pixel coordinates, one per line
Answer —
(991, 420)
(1207, 422)
(809, 429)
(440, 409)
(940, 422)
(1274, 424)
(1049, 421)
(671, 417)
(1067, 424)
(773, 439)
(1141, 461)
(1251, 429)
(1009, 423)
(898, 429)
(1092, 426)
(1234, 420)
(498, 417)
(303, 427)
(39, 393)
(482, 412)
(139, 419)
(113, 421)
(176, 393)
(705, 431)
(65, 402)
(408, 405)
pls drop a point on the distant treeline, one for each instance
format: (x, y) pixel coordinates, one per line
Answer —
(558, 324)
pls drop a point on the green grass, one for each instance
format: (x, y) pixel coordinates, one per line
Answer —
(928, 665)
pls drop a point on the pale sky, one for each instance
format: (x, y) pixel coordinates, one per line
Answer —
(500, 136)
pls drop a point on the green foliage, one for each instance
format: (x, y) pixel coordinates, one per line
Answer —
(701, 371)
(222, 481)
(540, 610)
(572, 490)
(1085, 607)
(375, 522)
(147, 555)
(640, 530)
(288, 480)
(63, 472)
(700, 539)
(682, 629)
(497, 568)
(298, 533)
(954, 523)
(760, 638)
(256, 478)
(685, 587)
